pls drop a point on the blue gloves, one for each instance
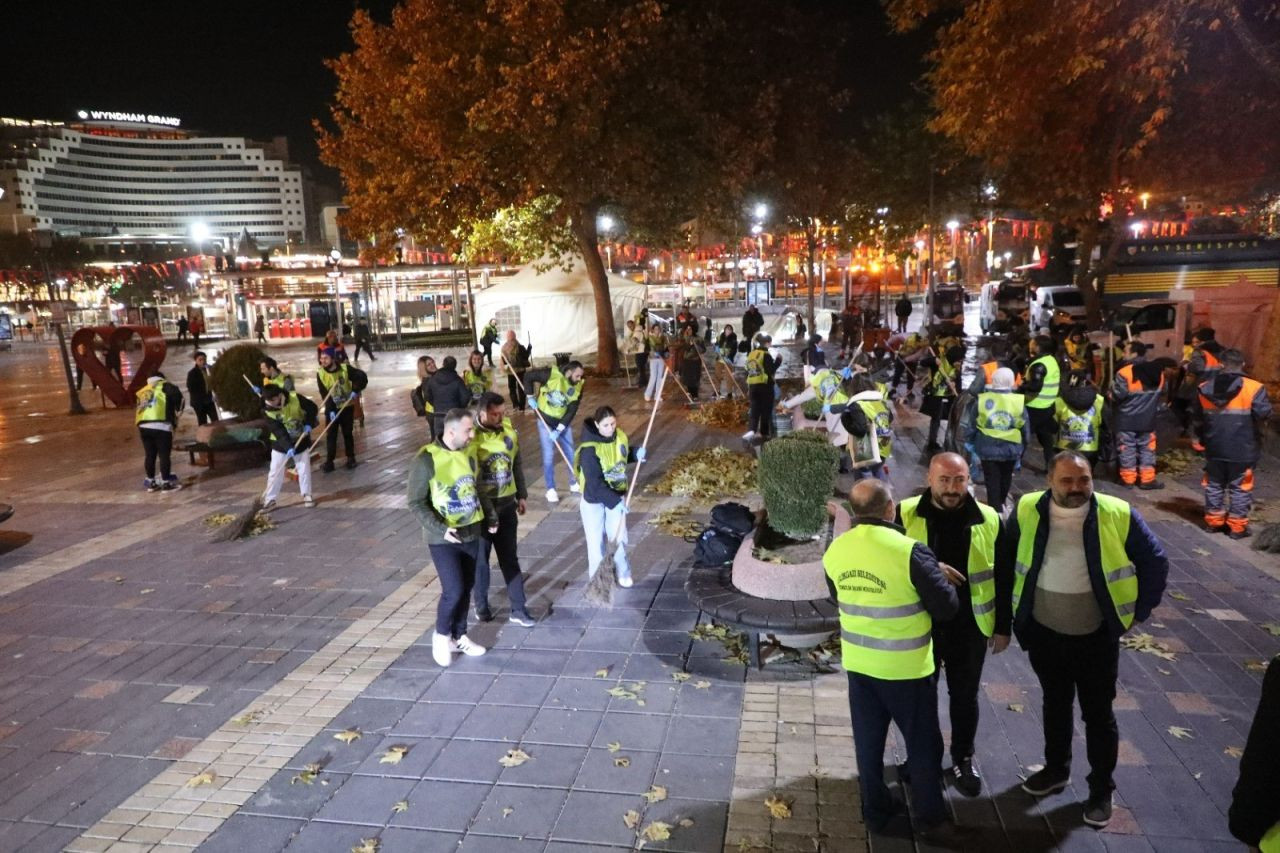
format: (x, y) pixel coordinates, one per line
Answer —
(560, 429)
(257, 389)
(533, 403)
(640, 454)
(290, 454)
(846, 373)
(622, 508)
(826, 408)
(306, 428)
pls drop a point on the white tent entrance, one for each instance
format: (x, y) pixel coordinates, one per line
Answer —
(556, 310)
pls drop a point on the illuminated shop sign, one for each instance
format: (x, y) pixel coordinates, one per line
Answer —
(131, 118)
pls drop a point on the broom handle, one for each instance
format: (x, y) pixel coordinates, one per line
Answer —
(711, 377)
(322, 402)
(679, 384)
(635, 475)
(537, 412)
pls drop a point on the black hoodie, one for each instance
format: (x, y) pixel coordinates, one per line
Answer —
(445, 390)
(594, 488)
(1227, 436)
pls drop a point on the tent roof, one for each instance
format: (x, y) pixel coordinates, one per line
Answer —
(556, 282)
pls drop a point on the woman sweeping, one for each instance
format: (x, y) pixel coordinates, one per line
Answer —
(601, 461)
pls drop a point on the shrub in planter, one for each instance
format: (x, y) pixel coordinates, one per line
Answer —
(797, 475)
(227, 380)
(812, 409)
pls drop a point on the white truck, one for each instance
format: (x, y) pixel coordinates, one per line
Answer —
(1164, 325)
(1001, 300)
(1056, 305)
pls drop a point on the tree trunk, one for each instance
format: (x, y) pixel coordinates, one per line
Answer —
(1091, 281)
(584, 232)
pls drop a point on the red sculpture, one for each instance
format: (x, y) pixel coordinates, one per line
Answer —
(86, 342)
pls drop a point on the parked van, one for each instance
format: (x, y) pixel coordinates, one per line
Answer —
(1001, 300)
(1056, 304)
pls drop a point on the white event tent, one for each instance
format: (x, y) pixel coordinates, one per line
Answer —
(556, 309)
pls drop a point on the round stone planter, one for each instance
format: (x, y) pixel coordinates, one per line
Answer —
(228, 431)
(785, 582)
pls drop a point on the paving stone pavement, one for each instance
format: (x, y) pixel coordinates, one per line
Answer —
(132, 646)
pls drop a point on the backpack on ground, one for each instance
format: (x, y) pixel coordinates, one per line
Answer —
(715, 547)
(733, 518)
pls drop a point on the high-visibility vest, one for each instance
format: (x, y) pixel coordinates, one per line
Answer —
(281, 379)
(339, 378)
(756, 373)
(1270, 842)
(453, 488)
(1076, 354)
(1229, 431)
(1001, 415)
(557, 394)
(612, 456)
(826, 384)
(885, 632)
(942, 381)
(982, 558)
(290, 414)
(1049, 390)
(1078, 430)
(879, 420)
(1113, 529)
(151, 404)
(477, 383)
(496, 452)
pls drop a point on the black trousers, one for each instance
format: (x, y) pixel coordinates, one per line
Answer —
(959, 650)
(456, 567)
(1045, 429)
(205, 410)
(997, 474)
(156, 444)
(760, 413)
(504, 542)
(487, 349)
(346, 422)
(691, 376)
(515, 390)
(1078, 667)
(642, 369)
(368, 348)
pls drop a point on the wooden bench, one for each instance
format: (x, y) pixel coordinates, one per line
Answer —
(711, 590)
(211, 450)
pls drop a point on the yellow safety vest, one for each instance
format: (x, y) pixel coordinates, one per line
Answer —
(982, 558)
(879, 420)
(283, 380)
(290, 414)
(613, 460)
(1113, 529)
(340, 378)
(1270, 842)
(756, 374)
(940, 384)
(496, 452)
(1001, 415)
(885, 632)
(557, 394)
(1078, 430)
(477, 383)
(151, 404)
(453, 488)
(826, 384)
(1049, 390)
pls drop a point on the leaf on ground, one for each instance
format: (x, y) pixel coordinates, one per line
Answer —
(603, 672)
(507, 810)
(367, 845)
(514, 758)
(307, 776)
(631, 818)
(640, 702)
(1016, 708)
(1180, 733)
(615, 746)
(1272, 628)
(685, 822)
(219, 519)
(1253, 665)
(1197, 776)
(679, 676)
(1234, 751)
(117, 579)
(622, 761)
(205, 778)
(146, 592)
(1196, 610)
(620, 692)
(656, 831)
(1180, 596)
(1163, 671)
(779, 807)
(401, 806)
(394, 754)
(655, 794)
(349, 735)
(1157, 625)
(702, 685)
(248, 718)
(1203, 552)
(1144, 642)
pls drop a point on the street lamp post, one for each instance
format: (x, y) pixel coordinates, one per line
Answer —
(606, 227)
(953, 226)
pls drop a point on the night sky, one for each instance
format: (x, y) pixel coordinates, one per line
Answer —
(256, 68)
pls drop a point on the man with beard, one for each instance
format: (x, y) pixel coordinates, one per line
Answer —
(977, 559)
(1087, 570)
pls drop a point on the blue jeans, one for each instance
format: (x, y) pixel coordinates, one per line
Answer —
(599, 524)
(549, 452)
(871, 471)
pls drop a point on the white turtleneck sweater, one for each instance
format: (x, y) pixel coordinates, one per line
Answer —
(1064, 599)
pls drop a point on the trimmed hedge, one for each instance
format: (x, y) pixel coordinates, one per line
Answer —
(797, 476)
(226, 377)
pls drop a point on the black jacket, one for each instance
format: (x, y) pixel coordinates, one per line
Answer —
(359, 381)
(1232, 434)
(540, 377)
(1255, 802)
(936, 592)
(445, 390)
(280, 438)
(594, 488)
(198, 387)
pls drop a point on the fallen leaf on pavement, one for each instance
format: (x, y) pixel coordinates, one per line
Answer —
(307, 776)
(631, 818)
(620, 692)
(367, 845)
(603, 672)
(655, 794)
(778, 807)
(117, 579)
(1180, 596)
(615, 746)
(394, 754)
(1163, 671)
(1203, 552)
(507, 810)
(1180, 733)
(656, 831)
(622, 761)
(1144, 642)
(679, 676)
(349, 735)
(702, 685)
(514, 758)
(1016, 708)
(1272, 628)
(686, 822)
(1255, 665)
(1234, 751)
(248, 718)
(205, 778)
(402, 806)
(146, 592)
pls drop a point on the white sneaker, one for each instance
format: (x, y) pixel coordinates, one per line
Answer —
(442, 649)
(552, 497)
(268, 506)
(625, 581)
(748, 435)
(307, 500)
(469, 648)
(576, 489)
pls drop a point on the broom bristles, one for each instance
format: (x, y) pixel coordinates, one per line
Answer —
(239, 526)
(600, 588)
